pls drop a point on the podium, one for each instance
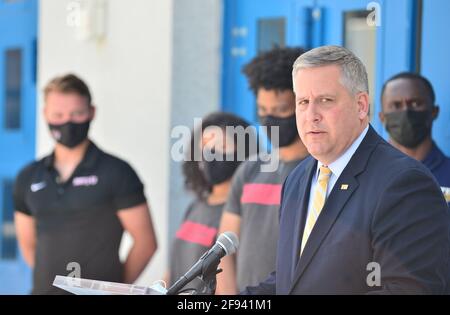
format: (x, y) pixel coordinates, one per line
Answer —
(79, 286)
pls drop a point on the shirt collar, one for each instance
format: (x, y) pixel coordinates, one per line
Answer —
(434, 158)
(338, 166)
(89, 159)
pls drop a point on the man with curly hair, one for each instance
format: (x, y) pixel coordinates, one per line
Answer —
(252, 207)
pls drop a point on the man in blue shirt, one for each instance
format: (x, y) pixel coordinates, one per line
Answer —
(408, 111)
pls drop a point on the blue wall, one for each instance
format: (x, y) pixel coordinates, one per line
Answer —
(396, 46)
(18, 32)
(436, 64)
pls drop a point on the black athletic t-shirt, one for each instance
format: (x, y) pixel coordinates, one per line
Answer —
(76, 221)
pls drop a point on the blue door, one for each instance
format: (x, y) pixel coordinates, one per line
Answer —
(435, 64)
(18, 29)
(251, 27)
(381, 33)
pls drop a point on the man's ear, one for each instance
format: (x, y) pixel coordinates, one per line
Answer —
(381, 117)
(93, 111)
(44, 111)
(363, 105)
(435, 112)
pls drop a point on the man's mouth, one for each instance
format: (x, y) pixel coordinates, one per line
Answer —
(315, 132)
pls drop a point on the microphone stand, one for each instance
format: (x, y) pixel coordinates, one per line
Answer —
(208, 280)
(206, 268)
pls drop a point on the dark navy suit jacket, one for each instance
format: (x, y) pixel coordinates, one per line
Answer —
(392, 214)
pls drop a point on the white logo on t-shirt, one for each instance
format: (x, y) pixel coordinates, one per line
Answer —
(37, 186)
(85, 181)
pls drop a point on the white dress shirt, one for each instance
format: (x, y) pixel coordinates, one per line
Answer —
(337, 167)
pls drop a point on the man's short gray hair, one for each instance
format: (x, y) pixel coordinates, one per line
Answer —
(354, 74)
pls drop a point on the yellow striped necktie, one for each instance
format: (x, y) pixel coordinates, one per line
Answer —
(320, 194)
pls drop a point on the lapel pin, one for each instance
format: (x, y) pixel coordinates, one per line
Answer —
(344, 187)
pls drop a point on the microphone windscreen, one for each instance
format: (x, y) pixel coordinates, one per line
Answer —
(229, 242)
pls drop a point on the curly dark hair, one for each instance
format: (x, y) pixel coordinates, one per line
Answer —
(194, 179)
(272, 70)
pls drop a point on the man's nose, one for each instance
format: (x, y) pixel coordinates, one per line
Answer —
(404, 104)
(312, 113)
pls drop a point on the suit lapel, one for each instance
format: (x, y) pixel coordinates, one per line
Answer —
(300, 215)
(333, 205)
(328, 216)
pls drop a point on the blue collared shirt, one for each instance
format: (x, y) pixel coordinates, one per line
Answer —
(439, 165)
(337, 167)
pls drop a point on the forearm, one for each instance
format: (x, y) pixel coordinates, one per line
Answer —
(138, 258)
(226, 280)
(166, 278)
(26, 236)
(28, 255)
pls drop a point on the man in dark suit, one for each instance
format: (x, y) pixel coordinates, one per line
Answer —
(358, 216)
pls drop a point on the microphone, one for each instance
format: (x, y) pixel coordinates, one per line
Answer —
(226, 244)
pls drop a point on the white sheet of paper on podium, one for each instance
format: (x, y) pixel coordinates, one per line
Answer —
(79, 286)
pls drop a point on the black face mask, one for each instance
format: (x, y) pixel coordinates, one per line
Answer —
(287, 128)
(217, 172)
(409, 128)
(70, 134)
